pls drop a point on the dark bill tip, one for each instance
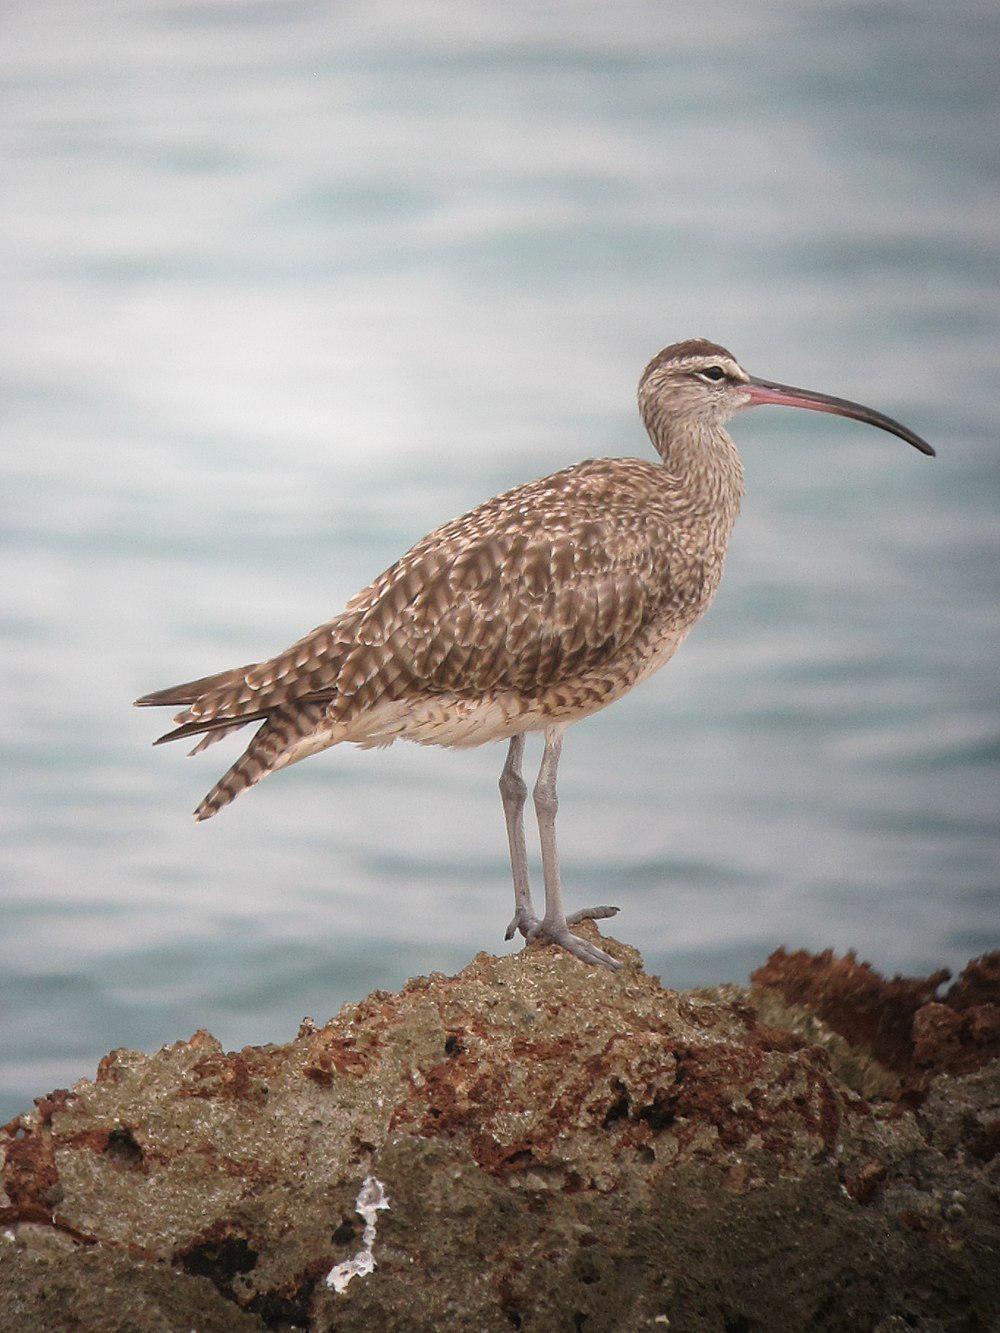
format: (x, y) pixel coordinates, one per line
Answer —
(784, 395)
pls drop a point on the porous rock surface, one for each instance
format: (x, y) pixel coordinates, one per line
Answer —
(561, 1148)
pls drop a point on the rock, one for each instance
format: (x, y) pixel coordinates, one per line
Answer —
(901, 1022)
(561, 1148)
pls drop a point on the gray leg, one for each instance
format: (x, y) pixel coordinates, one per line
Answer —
(513, 792)
(554, 926)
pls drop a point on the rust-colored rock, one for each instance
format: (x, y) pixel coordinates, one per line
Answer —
(30, 1179)
(902, 1022)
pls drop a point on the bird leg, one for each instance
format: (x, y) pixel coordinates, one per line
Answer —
(513, 793)
(554, 925)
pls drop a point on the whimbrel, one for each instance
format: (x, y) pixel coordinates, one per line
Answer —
(532, 611)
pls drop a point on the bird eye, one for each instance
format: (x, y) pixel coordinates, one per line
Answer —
(714, 373)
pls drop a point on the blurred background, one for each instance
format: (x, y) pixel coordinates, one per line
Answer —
(288, 283)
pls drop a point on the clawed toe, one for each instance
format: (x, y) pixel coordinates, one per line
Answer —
(591, 914)
(580, 948)
(588, 953)
(522, 921)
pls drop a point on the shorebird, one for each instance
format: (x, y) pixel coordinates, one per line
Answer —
(537, 608)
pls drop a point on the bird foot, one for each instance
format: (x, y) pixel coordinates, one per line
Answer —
(537, 931)
(525, 921)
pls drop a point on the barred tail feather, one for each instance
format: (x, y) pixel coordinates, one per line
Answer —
(216, 727)
(191, 690)
(210, 737)
(274, 746)
(254, 763)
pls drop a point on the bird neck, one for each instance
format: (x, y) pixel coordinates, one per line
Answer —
(701, 457)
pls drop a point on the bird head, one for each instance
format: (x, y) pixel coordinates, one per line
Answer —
(698, 383)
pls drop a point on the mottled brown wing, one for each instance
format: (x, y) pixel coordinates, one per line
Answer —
(529, 589)
(498, 617)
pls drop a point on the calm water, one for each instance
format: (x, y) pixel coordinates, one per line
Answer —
(287, 284)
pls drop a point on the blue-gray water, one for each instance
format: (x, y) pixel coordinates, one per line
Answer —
(287, 284)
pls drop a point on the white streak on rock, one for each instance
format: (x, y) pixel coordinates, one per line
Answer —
(371, 1198)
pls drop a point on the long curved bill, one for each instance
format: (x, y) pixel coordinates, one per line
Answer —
(783, 395)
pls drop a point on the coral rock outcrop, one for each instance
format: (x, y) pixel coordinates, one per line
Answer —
(560, 1148)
